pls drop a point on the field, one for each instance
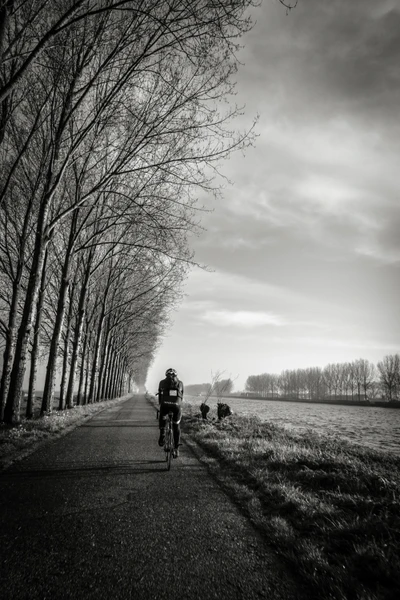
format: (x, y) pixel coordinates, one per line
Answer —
(329, 508)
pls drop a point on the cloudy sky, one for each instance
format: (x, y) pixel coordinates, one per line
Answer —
(304, 246)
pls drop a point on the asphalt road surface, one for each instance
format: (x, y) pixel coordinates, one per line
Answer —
(95, 514)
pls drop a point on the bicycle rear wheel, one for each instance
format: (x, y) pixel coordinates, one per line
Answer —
(169, 460)
(170, 448)
(169, 444)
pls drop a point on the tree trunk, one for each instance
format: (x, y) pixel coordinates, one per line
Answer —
(111, 361)
(77, 342)
(119, 386)
(105, 371)
(61, 403)
(10, 347)
(85, 394)
(48, 393)
(113, 375)
(13, 402)
(116, 376)
(103, 361)
(79, 397)
(122, 379)
(96, 357)
(36, 343)
(11, 336)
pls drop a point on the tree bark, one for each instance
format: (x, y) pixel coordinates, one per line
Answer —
(113, 372)
(103, 362)
(10, 347)
(36, 343)
(11, 336)
(13, 402)
(78, 341)
(111, 360)
(79, 396)
(51, 371)
(96, 357)
(61, 404)
(116, 378)
(105, 370)
(87, 373)
(48, 393)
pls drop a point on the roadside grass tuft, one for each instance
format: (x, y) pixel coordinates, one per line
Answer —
(329, 508)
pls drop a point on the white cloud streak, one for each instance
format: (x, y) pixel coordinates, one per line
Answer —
(242, 318)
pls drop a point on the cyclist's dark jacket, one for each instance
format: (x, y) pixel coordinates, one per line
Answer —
(170, 391)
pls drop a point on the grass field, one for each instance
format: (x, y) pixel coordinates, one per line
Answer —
(330, 509)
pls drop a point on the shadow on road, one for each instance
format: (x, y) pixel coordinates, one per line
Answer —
(129, 468)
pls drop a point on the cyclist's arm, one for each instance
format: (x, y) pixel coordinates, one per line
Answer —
(159, 393)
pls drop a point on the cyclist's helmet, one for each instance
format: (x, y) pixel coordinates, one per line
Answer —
(171, 373)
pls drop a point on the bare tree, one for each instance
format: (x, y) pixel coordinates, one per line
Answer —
(389, 372)
(255, 383)
(364, 373)
(336, 379)
(136, 105)
(26, 28)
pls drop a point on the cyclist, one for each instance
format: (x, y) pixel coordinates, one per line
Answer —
(170, 397)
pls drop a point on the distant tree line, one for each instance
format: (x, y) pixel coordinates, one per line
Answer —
(359, 380)
(112, 115)
(197, 389)
(219, 388)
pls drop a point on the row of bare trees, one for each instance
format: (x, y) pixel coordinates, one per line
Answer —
(359, 380)
(112, 114)
(218, 387)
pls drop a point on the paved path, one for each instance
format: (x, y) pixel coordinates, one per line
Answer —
(95, 514)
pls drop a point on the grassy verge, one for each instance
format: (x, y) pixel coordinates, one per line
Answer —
(19, 441)
(329, 508)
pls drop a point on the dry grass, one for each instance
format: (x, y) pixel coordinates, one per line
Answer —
(330, 509)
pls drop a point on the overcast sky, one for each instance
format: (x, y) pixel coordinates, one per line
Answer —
(305, 244)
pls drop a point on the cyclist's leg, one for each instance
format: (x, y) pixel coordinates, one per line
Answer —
(161, 423)
(176, 424)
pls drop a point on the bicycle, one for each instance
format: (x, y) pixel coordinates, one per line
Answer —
(169, 443)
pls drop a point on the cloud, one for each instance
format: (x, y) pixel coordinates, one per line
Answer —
(225, 290)
(305, 243)
(373, 250)
(336, 189)
(322, 178)
(329, 57)
(241, 318)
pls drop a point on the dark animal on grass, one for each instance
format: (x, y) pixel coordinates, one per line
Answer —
(223, 410)
(204, 409)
